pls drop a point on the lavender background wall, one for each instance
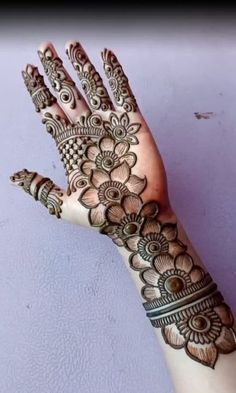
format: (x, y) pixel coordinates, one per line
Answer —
(70, 317)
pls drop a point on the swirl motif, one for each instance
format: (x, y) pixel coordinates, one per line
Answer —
(59, 78)
(91, 81)
(118, 82)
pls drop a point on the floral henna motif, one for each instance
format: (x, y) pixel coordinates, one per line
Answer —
(59, 78)
(118, 82)
(34, 82)
(125, 220)
(91, 81)
(106, 155)
(121, 129)
(42, 189)
(107, 189)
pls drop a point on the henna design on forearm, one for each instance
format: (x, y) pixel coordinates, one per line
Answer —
(34, 82)
(180, 297)
(90, 79)
(42, 189)
(59, 78)
(118, 82)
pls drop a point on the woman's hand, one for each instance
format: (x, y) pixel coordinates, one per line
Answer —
(117, 183)
(106, 147)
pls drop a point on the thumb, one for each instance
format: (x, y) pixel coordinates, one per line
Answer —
(42, 189)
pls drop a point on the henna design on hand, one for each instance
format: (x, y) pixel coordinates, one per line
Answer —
(41, 95)
(91, 81)
(98, 155)
(41, 188)
(59, 78)
(118, 82)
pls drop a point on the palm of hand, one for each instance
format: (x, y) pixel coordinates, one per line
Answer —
(108, 152)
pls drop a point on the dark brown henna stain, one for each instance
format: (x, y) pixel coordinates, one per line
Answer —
(41, 95)
(91, 81)
(118, 82)
(59, 78)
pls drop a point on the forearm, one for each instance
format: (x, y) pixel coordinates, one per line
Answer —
(200, 358)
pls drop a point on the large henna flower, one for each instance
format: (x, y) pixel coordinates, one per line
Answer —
(121, 129)
(154, 240)
(106, 155)
(109, 188)
(169, 276)
(127, 218)
(203, 335)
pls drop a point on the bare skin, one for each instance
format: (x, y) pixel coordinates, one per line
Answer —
(117, 184)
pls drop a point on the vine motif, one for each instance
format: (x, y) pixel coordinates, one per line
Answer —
(59, 78)
(91, 81)
(118, 82)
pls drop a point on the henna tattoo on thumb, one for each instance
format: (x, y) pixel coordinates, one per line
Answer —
(41, 188)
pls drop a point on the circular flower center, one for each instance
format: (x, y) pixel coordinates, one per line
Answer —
(200, 323)
(152, 245)
(119, 132)
(174, 284)
(106, 160)
(130, 228)
(81, 183)
(111, 191)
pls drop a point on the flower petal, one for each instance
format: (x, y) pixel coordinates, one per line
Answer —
(130, 158)
(184, 262)
(92, 152)
(150, 293)
(96, 216)
(121, 148)
(225, 314)
(132, 139)
(176, 248)
(172, 336)
(98, 177)
(115, 213)
(121, 173)
(114, 119)
(132, 243)
(226, 342)
(206, 354)
(151, 226)
(137, 262)
(87, 166)
(131, 203)
(118, 241)
(163, 262)
(109, 230)
(196, 274)
(150, 276)
(89, 197)
(124, 120)
(149, 209)
(135, 184)
(133, 128)
(107, 143)
(169, 231)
